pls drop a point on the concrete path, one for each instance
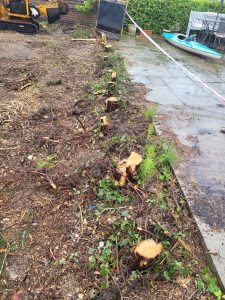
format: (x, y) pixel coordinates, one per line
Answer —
(189, 115)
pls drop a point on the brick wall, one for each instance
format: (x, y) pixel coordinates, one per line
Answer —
(75, 17)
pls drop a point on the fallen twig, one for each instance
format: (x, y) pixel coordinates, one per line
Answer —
(191, 296)
(82, 125)
(3, 263)
(8, 148)
(46, 177)
(25, 86)
(169, 252)
(83, 40)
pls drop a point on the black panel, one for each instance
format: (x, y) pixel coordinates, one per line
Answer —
(111, 16)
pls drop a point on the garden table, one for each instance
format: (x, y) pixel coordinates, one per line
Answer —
(209, 26)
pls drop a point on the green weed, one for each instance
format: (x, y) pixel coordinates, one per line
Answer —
(168, 155)
(209, 283)
(165, 174)
(172, 268)
(71, 257)
(151, 131)
(158, 200)
(150, 112)
(86, 7)
(46, 163)
(109, 192)
(148, 166)
(127, 227)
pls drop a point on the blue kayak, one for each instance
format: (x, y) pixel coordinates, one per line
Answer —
(189, 44)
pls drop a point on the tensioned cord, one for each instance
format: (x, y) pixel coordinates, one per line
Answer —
(190, 74)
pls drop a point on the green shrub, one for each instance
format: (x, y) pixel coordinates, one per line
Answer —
(167, 14)
(86, 7)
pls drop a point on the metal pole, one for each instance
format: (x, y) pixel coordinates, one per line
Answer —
(219, 11)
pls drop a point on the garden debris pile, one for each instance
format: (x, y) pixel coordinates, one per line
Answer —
(83, 200)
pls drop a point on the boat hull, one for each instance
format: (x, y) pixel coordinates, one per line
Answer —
(190, 46)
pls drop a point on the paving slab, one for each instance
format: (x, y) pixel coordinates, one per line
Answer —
(190, 116)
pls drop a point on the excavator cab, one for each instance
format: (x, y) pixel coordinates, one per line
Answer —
(18, 7)
(20, 16)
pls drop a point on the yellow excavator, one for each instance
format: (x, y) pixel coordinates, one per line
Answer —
(20, 16)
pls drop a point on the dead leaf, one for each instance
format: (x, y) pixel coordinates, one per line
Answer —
(184, 282)
(15, 296)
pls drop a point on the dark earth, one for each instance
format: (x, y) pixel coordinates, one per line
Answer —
(57, 236)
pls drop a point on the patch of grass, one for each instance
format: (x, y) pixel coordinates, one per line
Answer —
(81, 33)
(150, 131)
(116, 62)
(54, 46)
(54, 82)
(46, 163)
(115, 140)
(159, 199)
(98, 87)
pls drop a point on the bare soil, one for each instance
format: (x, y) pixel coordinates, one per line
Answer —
(52, 160)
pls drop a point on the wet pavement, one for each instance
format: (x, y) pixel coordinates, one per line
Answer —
(196, 119)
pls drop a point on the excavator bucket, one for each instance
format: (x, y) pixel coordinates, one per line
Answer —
(53, 15)
(64, 9)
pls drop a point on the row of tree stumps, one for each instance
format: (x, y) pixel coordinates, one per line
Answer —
(148, 249)
(112, 103)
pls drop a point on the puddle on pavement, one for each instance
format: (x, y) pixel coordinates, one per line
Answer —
(192, 114)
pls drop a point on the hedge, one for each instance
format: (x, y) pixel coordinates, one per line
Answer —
(167, 14)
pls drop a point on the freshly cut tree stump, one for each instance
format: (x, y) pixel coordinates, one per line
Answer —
(111, 104)
(127, 168)
(104, 125)
(108, 48)
(145, 252)
(114, 76)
